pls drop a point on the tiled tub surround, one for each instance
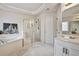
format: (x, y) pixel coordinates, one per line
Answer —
(10, 43)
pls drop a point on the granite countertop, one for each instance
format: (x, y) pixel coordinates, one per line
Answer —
(70, 40)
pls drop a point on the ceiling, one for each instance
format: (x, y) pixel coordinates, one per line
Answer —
(28, 8)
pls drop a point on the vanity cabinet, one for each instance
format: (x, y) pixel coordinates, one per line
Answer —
(58, 50)
(74, 52)
(62, 48)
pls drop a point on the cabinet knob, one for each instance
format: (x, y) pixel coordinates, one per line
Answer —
(65, 51)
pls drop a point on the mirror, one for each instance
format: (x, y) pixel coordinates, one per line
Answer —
(70, 20)
(70, 27)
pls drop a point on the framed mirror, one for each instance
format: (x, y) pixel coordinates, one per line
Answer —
(70, 20)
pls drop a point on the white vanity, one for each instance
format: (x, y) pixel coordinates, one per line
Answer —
(67, 42)
(66, 47)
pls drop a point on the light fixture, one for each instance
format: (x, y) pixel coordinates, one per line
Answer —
(67, 4)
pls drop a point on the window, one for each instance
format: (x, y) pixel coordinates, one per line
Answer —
(64, 26)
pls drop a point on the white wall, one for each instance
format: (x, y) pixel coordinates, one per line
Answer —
(50, 25)
(21, 20)
(59, 19)
(8, 17)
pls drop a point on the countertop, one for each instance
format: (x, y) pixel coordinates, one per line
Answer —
(74, 41)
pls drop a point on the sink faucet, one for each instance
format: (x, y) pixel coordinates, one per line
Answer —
(72, 37)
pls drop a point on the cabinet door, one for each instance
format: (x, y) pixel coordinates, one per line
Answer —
(58, 50)
(74, 52)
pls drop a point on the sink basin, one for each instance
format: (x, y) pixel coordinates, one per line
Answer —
(70, 36)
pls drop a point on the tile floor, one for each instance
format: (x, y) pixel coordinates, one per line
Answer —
(37, 49)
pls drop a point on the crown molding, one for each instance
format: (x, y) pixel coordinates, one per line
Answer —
(67, 7)
(6, 7)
